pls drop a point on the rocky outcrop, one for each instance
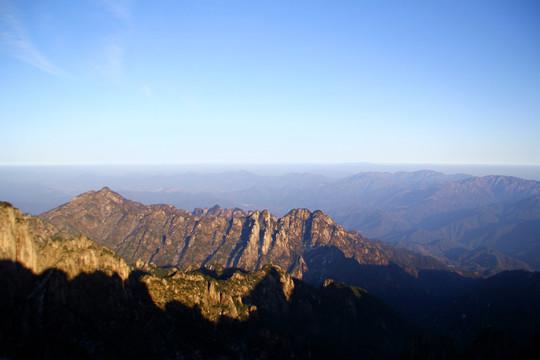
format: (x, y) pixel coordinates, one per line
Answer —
(71, 298)
(68, 297)
(171, 237)
(216, 292)
(16, 242)
(39, 246)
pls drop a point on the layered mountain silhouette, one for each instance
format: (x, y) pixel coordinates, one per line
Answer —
(232, 238)
(433, 213)
(429, 212)
(309, 245)
(67, 297)
(450, 217)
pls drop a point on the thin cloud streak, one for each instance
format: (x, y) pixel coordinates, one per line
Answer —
(113, 46)
(14, 37)
(114, 57)
(119, 8)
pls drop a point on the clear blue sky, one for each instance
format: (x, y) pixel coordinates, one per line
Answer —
(101, 82)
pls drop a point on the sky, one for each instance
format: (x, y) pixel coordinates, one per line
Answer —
(215, 82)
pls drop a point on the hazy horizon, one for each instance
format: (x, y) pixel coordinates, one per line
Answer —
(36, 189)
(531, 172)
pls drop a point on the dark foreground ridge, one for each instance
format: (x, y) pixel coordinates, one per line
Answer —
(70, 298)
(97, 316)
(67, 297)
(100, 316)
(308, 245)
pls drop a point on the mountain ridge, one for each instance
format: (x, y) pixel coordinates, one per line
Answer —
(69, 298)
(193, 313)
(233, 237)
(309, 245)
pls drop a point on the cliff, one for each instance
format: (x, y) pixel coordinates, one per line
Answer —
(39, 246)
(171, 237)
(67, 297)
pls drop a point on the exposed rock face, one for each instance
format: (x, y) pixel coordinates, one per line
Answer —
(171, 237)
(16, 242)
(71, 298)
(30, 242)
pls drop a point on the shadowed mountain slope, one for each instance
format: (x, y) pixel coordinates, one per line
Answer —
(171, 237)
(510, 230)
(454, 217)
(307, 244)
(389, 207)
(72, 299)
(437, 212)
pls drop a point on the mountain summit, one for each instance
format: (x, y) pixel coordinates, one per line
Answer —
(168, 236)
(69, 298)
(308, 245)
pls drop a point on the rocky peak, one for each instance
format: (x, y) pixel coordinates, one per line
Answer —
(217, 211)
(70, 298)
(214, 210)
(39, 246)
(102, 197)
(231, 238)
(16, 240)
(298, 214)
(320, 216)
(107, 194)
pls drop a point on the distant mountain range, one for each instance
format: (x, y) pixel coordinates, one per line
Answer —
(214, 295)
(450, 220)
(450, 217)
(308, 245)
(232, 238)
(482, 224)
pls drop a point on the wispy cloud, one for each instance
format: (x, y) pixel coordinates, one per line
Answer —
(119, 8)
(14, 38)
(113, 45)
(114, 58)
